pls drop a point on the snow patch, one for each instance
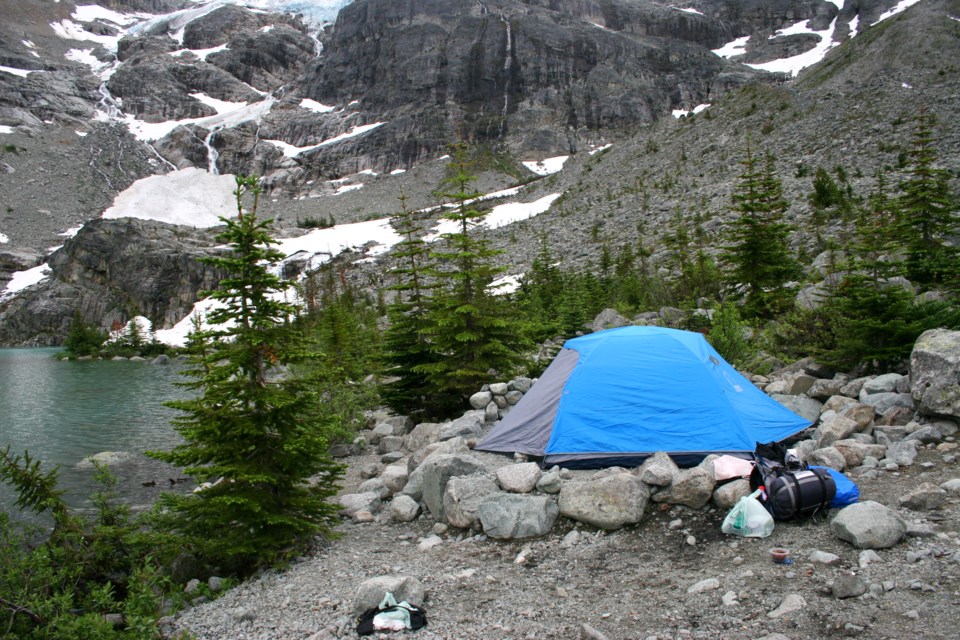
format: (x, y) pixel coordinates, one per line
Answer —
(504, 285)
(4, 238)
(397, 172)
(70, 30)
(23, 73)
(313, 105)
(679, 113)
(499, 216)
(690, 10)
(901, 6)
(600, 148)
(347, 187)
(854, 25)
(82, 134)
(156, 130)
(5, 128)
(546, 166)
(292, 151)
(220, 106)
(72, 231)
(200, 53)
(93, 12)
(20, 280)
(735, 48)
(190, 197)
(794, 64)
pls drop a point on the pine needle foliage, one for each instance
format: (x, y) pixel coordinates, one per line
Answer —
(929, 211)
(470, 330)
(759, 257)
(255, 431)
(406, 347)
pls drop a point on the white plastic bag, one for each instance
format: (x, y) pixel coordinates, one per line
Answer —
(748, 518)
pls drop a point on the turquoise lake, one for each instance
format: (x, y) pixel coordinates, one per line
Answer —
(63, 411)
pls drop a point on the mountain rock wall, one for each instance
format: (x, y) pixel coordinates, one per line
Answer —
(111, 271)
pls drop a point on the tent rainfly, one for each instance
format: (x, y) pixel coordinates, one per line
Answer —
(616, 397)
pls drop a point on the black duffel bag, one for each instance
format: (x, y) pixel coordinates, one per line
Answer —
(793, 493)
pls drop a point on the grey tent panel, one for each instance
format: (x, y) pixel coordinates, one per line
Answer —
(535, 412)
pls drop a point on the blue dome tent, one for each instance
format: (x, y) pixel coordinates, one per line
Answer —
(615, 397)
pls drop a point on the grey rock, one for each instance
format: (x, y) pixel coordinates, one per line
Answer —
(403, 508)
(370, 592)
(437, 471)
(862, 414)
(888, 434)
(885, 383)
(827, 457)
(801, 405)
(390, 444)
(691, 487)
(490, 414)
(215, 584)
(925, 497)
(509, 516)
(902, 453)
(395, 477)
(837, 403)
(608, 319)
(836, 428)
(951, 486)
(608, 503)
(462, 498)
(519, 478)
(422, 435)
(521, 384)
(846, 586)
(883, 402)
(854, 452)
(869, 525)
(513, 397)
(708, 584)
(549, 482)
(824, 389)
(469, 425)
(374, 485)
(791, 603)
(481, 399)
(589, 633)
(354, 502)
(868, 557)
(823, 557)
(659, 470)
(935, 373)
(499, 388)
(926, 435)
(728, 494)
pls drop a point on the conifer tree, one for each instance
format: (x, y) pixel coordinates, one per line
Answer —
(254, 431)
(759, 257)
(406, 347)
(928, 211)
(470, 330)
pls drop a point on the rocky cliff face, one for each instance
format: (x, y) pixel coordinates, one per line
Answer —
(391, 83)
(111, 271)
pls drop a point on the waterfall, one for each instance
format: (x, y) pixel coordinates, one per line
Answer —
(507, 63)
(212, 154)
(107, 104)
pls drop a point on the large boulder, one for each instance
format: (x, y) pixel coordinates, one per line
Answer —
(659, 470)
(519, 478)
(395, 477)
(469, 425)
(462, 498)
(869, 525)
(351, 503)
(437, 472)
(509, 515)
(854, 452)
(608, 503)
(422, 435)
(370, 593)
(924, 497)
(692, 488)
(729, 494)
(833, 429)
(935, 373)
(801, 405)
(885, 401)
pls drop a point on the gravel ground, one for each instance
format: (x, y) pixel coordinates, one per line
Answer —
(629, 584)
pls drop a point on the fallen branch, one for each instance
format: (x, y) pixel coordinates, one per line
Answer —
(18, 609)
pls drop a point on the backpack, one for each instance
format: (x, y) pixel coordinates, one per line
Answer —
(793, 493)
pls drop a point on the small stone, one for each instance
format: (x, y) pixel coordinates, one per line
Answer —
(848, 587)
(730, 599)
(192, 586)
(822, 557)
(692, 541)
(704, 585)
(430, 542)
(791, 602)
